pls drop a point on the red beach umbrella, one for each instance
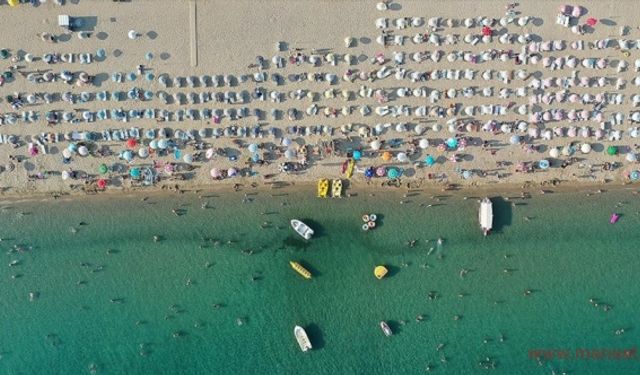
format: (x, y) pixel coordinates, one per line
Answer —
(591, 21)
(102, 183)
(486, 31)
(132, 143)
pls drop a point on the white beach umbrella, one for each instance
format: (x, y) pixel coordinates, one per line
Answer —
(133, 34)
(65, 175)
(631, 157)
(402, 157)
(424, 143)
(585, 148)
(143, 152)
(83, 151)
(554, 152)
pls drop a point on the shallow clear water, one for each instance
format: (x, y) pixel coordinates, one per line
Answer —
(566, 252)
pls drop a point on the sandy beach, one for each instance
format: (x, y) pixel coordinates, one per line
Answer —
(214, 39)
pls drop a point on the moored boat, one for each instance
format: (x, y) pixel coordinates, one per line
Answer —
(336, 188)
(350, 167)
(300, 269)
(380, 272)
(386, 329)
(302, 229)
(614, 218)
(486, 216)
(302, 338)
(323, 188)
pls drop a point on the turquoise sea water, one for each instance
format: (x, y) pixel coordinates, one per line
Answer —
(564, 251)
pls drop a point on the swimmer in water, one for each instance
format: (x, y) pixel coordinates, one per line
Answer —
(440, 241)
(463, 273)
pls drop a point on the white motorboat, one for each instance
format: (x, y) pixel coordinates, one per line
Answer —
(385, 328)
(302, 338)
(486, 216)
(302, 229)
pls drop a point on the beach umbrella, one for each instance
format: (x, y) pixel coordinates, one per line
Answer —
(232, 172)
(83, 151)
(393, 173)
(148, 56)
(515, 139)
(591, 21)
(612, 150)
(103, 169)
(424, 143)
(375, 145)
(127, 155)
(132, 143)
(568, 150)
(133, 34)
(402, 157)
(634, 175)
(381, 171)
(154, 144)
(33, 150)
(289, 154)
(168, 168)
(357, 155)
(215, 173)
(585, 148)
(253, 148)
(286, 142)
(631, 157)
(65, 175)
(135, 173)
(429, 160)
(66, 153)
(554, 152)
(544, 164)
(452, 143)
(466, 174)
(386, 156)
(163, 144)
(102, 183)
(143, 152)
(369, 172)
(187, 158)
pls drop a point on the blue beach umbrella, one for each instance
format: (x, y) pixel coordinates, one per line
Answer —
(101, 53)
(148, 95)
(515, 139)
(393, 173)
(177, 154)
(634, 176)
(127, 155)
(73, 147)
(429, 160)
(544, 164)
(253, 148)
(102, 95)
(135, 173)
(153, 144)
(452, 143)
(116, 77)
(369, 172)
(131, 76)
(357, 155)
(148, 56)
(150, 134)
(102, 114)
(149, 76)
(255, 157)
(466, 175)
(132, 94)
(163, 144)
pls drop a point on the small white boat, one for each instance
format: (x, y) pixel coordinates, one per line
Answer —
(386, 329)
(302, 229)
(302, 338)
(486, 216)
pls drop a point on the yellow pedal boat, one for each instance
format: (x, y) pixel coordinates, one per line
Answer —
(323, 188)
(380, 272)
